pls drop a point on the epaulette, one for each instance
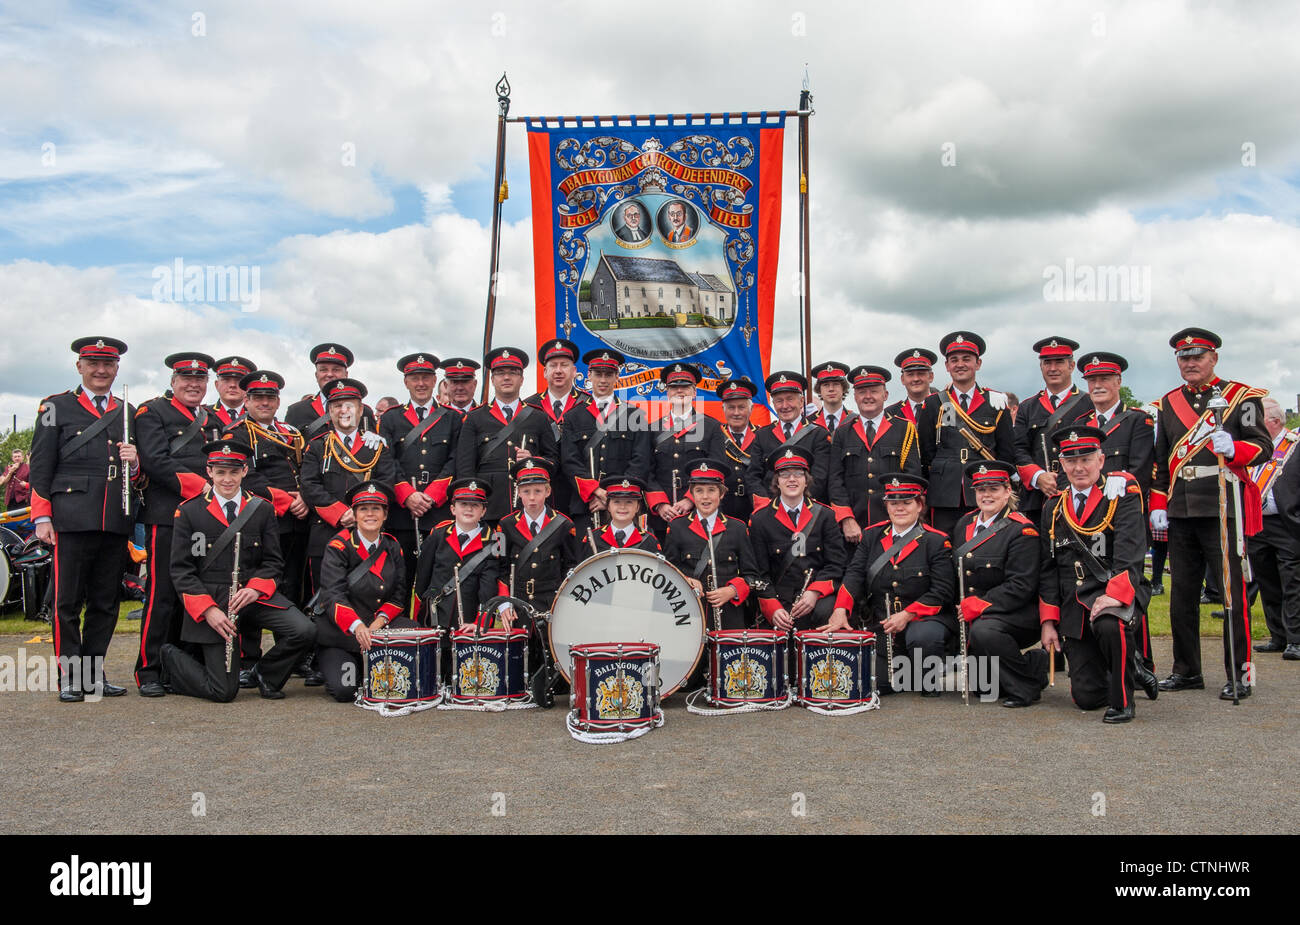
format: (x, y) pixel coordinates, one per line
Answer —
(343, 534)
(1020, 518)
(878, 523)
(935, 530)
(390, 536)
(337, 543)
(441, 524)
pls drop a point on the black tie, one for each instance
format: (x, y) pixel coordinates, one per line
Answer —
(794, 515)
(1080, 501)
(1055, 401)
(1101, 420)
(508, 412)
(534, 527)
(464, 540)
(871, 433)
(99, 403)
(916, 408)
(980, 529)
(965, 402)
(620, 537)
(831, 422)
(558, 409)
(739, 438)
(789, 431)
(231, 508)
(419, 412)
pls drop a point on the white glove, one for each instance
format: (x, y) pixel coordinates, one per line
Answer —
(1159, 520)
(373, 440)
(1115, 485)
(1221, 440)
(997, 399)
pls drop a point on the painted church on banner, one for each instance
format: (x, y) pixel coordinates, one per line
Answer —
(646, 287)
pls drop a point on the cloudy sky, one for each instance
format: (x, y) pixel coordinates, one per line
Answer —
(963, 155)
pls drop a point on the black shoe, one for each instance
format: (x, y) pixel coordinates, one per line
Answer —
(1147, 680)
(1273, 645)
(135, 614)
(1114, 715)
(267, 691)
(1243, 691)
(153, 689)
(1157, 590)
(304, 668)
(246, 681)
(931, 693)
(1206, 599)
(314, 679)
(1292, 653)
(1181, 682)
(107, 689)
(1016, 702)
(1216, 614)
(70, 694)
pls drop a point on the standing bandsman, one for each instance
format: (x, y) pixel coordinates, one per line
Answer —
(1275, 550)
(916, 373)
(559, 359)
(421, 435)
(790, 429)
(681, 437)
(601, 437)
(345, 455)
(310, 415)
(229, 406)
(78, 463)
(873, 443)
(541, 544)
(171, 431)
(1093, 545)
(462, 382)
(688, 548)
(202, 564)
(1129, 446)
(901, 578)
(737, 396)
(1058, 403)
(797, 548)
(997, 550)
(496, 436)
(831, 385)
(272, 474)
(966, 423)
(624, 496)
(1185, 500)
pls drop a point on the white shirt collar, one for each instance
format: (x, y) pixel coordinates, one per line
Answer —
(346, 438)
(513, 406)
(562, 399)
(906, 529)
(876, 420)
(708, 521)
(1109, 412)
(1061, 396)
(224, 501)
(980, 522)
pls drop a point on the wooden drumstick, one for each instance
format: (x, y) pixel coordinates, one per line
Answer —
(1051, 667)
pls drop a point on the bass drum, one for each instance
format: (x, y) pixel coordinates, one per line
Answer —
(630, 595)
(11, 546)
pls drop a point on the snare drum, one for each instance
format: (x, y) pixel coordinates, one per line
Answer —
(615, 690)
(488, 666)
(402, 668)
(748, 667)
(835, 669)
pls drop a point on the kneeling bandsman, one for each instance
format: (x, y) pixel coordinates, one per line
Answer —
(709, 543)
(623, 496)
(1093, 549)
(997, 553)
(207, 530)
(363, 589)
(903, 571)
(797, 548)
(541, 545)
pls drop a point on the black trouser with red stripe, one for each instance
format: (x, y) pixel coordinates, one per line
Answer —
(1193, 547)
(1275, 563)
(87, 570)
(160, 622)
(1101, 664)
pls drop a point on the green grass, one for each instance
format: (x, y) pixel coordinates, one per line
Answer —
(12, 623)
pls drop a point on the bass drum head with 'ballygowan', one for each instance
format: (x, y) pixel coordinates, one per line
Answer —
(630, 595)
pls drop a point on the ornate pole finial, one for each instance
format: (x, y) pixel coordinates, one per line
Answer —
(503, 95)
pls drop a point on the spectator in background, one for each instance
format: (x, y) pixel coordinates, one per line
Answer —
(1013, 405)
(443, 394)
(384, 404)
(18, 490)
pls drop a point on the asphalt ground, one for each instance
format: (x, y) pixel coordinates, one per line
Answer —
(1188, 764)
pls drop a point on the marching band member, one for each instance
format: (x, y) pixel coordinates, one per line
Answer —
(1058, 403)
(497, 435)
(1093, 546)
(310, 415)
(202, 569)
(1185, 500)
(831, 385)
(229, 406)
(797, 547)
(732, 557)
(737, 397)
(541, 544)
(459, 374)
(624, 496)
(600, 437)
(873, 443)
(790, 429)
(363, 589)
(422, 436)
(903, 571)
(272, 474)
(916, 373)
(966, 423)
(997, 552)
(559, 359)
(171, 431)
(79, 459)
(681, 438)
(466, 542)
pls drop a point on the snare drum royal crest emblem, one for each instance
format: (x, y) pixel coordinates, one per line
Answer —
(478, 677)
(745, 679)
(389, 681)
(831, 679)
(619, 697)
